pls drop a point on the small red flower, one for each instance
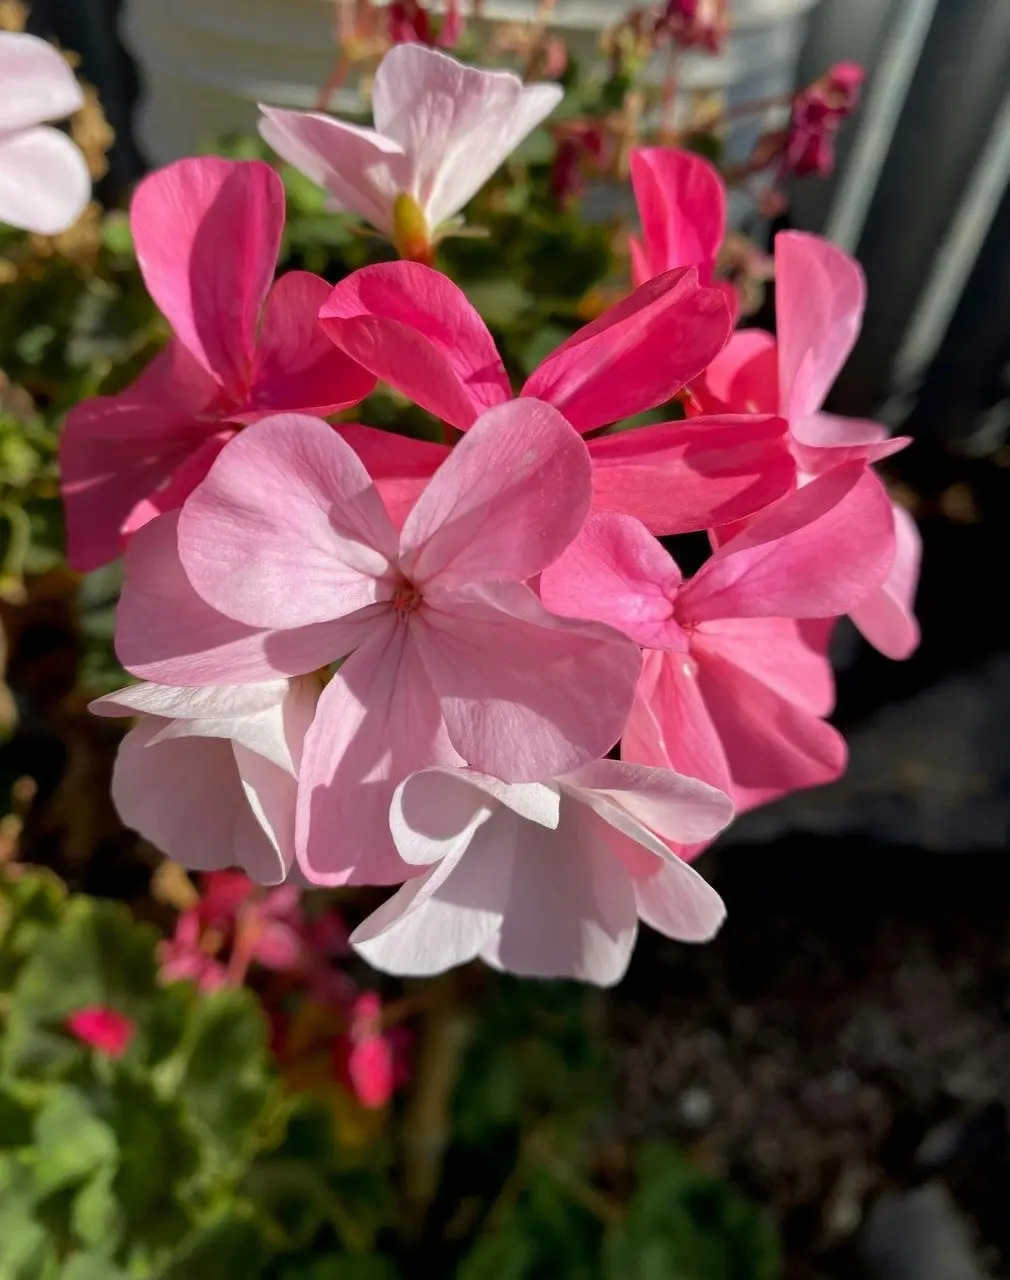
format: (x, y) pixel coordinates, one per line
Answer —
(106, 1031)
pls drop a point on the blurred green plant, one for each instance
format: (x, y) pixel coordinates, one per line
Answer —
(181, 1157)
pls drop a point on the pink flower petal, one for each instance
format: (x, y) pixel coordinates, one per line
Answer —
(820, 293)
(571, 908)
(207, 233)
(114, 455)
(616, 572)
(416, 330)
(215, 702)
(778, 653)
(171, 494)
(679, 476)
(400, 465)
(825, 440)
(378, 720)
(814, 554)
(287, 530)
(184, 796)
(773, 745)
(678, 908)
(167, 634)
(509, 498)
(886, 618)
(363, 171)
(681, 202)
(370, 1071)
(669, 726)
(525, 695)
(44, 181)
(436, 812)
(296, 366)
(37, 80)
(631, 797)
(264, 843)
(109, 1032)
(446, 916)
(636, 355)
(456, 123)
(743, 377)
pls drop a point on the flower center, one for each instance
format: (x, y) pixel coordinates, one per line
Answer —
(406, 599)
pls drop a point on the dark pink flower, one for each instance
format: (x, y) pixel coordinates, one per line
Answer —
(694, 24)
(103, 1029)
(817, 111)
(207, 233)
(363, 1058)
(184, 959)
(410, 23)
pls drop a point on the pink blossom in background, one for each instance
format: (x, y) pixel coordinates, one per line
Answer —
(44, 181)
(207, 233)
(820, 296)
(184, 957)
(416, 330)
(410, 23)
(816, 113)
(695, 24)
(441, 130)
(364, 1058)
(103, 1029)
(451, 656)
(544, 880)
(732, 689)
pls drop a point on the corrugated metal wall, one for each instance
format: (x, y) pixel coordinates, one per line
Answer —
(921, 196)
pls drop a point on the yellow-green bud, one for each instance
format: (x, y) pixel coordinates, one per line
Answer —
(410, 230)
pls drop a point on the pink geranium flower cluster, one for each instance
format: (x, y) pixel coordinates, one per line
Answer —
(367, 659)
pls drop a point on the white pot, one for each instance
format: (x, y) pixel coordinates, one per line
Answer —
(206, 63)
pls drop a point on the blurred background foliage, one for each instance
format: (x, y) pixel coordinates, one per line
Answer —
(184, 1157)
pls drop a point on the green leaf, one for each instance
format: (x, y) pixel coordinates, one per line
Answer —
(71, 1142)
(226, 1248)
(90, 1266)
(227, 1081)
(97, 1216)
(159, 1160)
(15, 1121)
(684, 1225)
(96, 955)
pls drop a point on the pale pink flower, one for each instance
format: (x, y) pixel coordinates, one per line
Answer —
(732, 689)
(451, 656)
(413, 328)
(820, 296)
(44, 180)
(441, 130)
(105, 1030)
(209, 774)
(207, 233)
(547, 879)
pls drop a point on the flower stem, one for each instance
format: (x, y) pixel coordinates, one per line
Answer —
(445, 1033)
